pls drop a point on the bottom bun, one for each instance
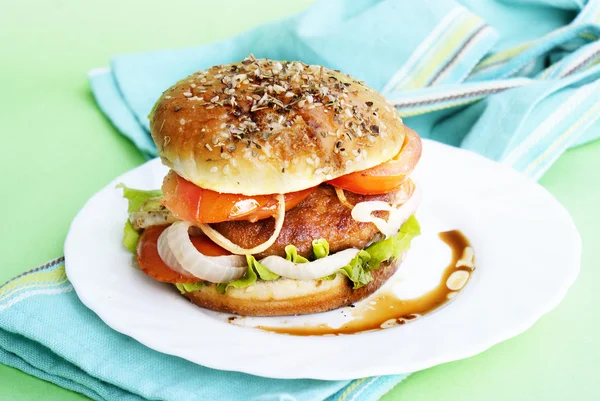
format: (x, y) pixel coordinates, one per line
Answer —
(285, 297)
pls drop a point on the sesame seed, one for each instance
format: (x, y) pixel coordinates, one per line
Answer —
(207, 146)
(187, 94)
(214, 169)
(267, 84)
(182, 121)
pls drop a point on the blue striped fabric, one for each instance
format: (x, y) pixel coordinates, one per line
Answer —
(514, 80)
(47, 332)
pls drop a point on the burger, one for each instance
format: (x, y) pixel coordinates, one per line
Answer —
(288, 191)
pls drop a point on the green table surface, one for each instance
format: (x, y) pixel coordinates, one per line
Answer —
(58, 149)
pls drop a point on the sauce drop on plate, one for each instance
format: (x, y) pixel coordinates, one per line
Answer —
(384, 310)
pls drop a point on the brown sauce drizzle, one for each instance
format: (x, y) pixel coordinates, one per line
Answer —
(386, 310)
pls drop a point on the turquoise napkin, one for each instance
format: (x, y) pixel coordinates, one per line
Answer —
(516, 81)
(47, 332)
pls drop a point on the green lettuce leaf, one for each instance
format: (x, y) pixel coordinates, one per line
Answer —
(409, 230)
(255, 270)
(248, 279)
(291, 254)
(189, 287)
(263, 272)
(320, 248)
(393, 247)
(139, 200)
(137, 197)
(130, 237)
(359, 269)
(380, 251)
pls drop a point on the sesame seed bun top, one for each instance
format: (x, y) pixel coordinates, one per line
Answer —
(263, 126)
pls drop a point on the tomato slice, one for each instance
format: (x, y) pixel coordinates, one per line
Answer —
(150, 262)
(385, 177)
(189, 202)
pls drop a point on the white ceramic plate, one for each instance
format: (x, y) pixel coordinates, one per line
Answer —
(527, 248)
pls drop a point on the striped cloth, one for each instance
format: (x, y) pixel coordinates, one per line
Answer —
(513, 105)
(515, 80)
(47, 332)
